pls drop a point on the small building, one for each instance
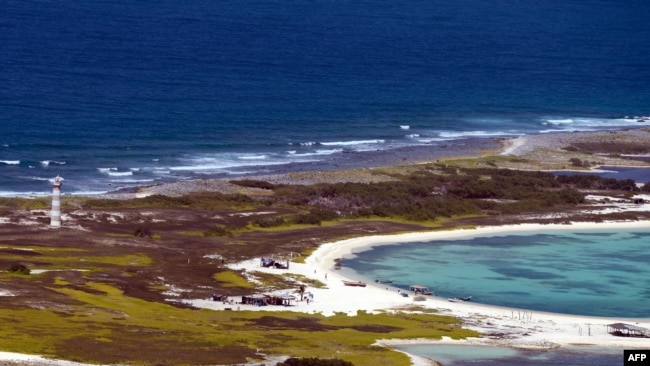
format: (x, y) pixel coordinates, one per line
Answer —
(280, 298)
(257, 300)
(273, 298)
(219, 297)
(627, 330)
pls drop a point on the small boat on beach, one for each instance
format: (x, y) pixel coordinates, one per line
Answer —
(422, 290)
(354, 283)
(460, 299)
(384, 281)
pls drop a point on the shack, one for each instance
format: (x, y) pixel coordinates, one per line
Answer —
(627, 330)
(256, 299)
(280, 298)
(272, 298)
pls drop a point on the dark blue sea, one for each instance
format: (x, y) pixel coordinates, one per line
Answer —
(115, 94)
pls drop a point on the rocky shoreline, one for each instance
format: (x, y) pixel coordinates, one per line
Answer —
(531, 152)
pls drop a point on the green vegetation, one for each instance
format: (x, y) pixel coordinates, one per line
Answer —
(312, 361)
(232, 279)
(19, 268)
(270, 222)
(586, 181)
(431, 193)
(102, 325)
(422, 194)
(40, 203)
(253, 183)
(609, 147)
(202, 201)
(100, 297)
(218, 230)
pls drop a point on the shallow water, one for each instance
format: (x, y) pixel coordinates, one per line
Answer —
(458, 355)
(596, 273)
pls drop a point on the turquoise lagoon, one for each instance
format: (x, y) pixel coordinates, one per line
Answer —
(597, 272)
(461, 355)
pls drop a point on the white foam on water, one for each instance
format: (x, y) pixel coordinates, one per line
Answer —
(36, 178)
(559, 121)
(589, 124)
(46, 163)
(114, 172)
(352, 143)
(132, 180)
(316, 152)
(450, 135)
(253, 157)
(218, 164)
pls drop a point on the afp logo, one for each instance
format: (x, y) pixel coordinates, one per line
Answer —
(637, 357)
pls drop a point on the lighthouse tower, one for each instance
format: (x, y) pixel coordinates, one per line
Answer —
(55, 216)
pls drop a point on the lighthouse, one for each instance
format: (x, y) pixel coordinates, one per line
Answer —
(55, 216)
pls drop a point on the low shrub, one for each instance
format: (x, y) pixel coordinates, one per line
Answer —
(251, 183)
(269, 222)
(218, 230)
(19, 268)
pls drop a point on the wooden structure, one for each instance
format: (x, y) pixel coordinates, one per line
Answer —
(274, 298)
(257, 300)
(219, 297)
(627, 330)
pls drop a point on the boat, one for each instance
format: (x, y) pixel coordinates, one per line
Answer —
(384, 281)
(460, 299)
(354, 283)
(422, 290)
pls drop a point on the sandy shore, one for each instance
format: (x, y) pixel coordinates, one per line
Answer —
(516, 327)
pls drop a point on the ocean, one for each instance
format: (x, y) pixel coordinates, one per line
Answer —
(112, 94)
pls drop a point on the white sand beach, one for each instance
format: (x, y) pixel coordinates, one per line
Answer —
(516, 327)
